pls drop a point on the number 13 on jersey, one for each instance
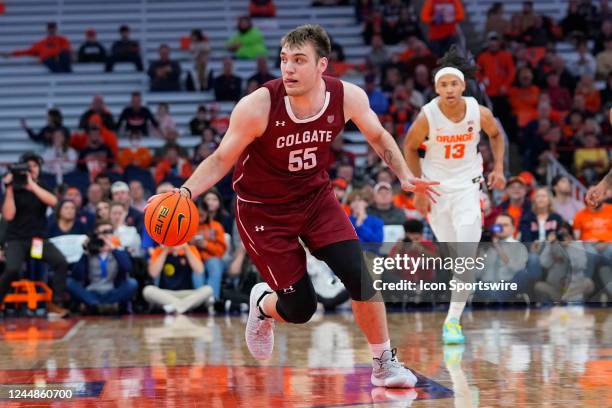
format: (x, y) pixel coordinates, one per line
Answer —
(302, 159)
(455, 151)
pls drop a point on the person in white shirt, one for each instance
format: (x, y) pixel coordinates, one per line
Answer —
(59, 158)
(128, 236)
(449, 128)
(137, 194)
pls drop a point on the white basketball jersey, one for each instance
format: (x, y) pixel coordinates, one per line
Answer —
(452, 156)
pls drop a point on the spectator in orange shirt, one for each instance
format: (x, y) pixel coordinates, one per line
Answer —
(216, 205)
(210, 241)
(172, 165)
(517, 205)
(79, 140)
(54, 50)
(497, 71)
(136, 154)
(404, 200)
(592, 97)
(574, 123)
(524, 97)
(594, 225)
(442, 17)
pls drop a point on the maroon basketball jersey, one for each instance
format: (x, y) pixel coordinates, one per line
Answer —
(289, 160)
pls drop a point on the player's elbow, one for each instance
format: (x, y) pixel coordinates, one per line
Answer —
(410, 148)
(221, 160)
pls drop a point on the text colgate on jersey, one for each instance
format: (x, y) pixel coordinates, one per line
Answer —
(289, 160)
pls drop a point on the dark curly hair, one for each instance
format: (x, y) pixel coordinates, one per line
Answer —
(453, 58)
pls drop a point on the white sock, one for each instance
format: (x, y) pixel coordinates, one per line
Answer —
(378, 349)
(455, 311)
(169, 308)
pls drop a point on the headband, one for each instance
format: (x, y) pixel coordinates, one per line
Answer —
(448, 71)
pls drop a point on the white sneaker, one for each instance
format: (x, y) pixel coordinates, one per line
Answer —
(387, 371)
(259, 333)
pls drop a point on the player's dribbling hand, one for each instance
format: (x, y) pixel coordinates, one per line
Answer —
(595, 195)
(421, 186)
(496, 180)
(174, 190)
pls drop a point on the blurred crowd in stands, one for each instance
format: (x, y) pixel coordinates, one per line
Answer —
(550, 107)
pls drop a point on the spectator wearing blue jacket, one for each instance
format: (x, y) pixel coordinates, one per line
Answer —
(378, 101)
(101, 276)
(368, 227)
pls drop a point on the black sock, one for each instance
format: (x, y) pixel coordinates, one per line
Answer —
(259, 307)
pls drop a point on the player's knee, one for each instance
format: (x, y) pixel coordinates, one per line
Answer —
(297, 312)
(354, 280)
(346, 260)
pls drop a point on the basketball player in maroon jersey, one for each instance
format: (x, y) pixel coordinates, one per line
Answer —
(279, 137)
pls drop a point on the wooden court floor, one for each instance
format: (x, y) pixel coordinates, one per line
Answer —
(555, 357)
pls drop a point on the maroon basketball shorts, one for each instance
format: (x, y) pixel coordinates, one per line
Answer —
(270, 233)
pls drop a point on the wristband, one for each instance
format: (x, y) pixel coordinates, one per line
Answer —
(188, 190)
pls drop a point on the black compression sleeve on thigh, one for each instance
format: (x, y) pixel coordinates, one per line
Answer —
(345, 259)
(298, 302)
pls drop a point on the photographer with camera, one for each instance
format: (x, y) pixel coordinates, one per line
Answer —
(24, 208)
(101, 276)
(506, 259)
(565, 263)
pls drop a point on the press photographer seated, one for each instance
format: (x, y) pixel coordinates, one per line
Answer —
(24, 208)
(101, 276)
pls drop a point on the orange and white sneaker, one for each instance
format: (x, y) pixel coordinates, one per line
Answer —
(259, 333)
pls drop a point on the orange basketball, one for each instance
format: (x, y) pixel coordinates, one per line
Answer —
(171, 219)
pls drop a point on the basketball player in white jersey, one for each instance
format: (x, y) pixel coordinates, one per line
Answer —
(449, 127)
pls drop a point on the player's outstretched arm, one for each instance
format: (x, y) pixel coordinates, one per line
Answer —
(357, 108)
(414, 139)
(488, 123)
(597, 193)
(247, 122)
